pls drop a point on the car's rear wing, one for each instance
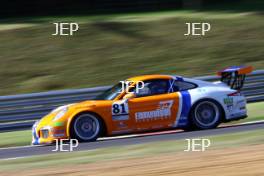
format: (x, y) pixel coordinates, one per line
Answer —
(235, 76)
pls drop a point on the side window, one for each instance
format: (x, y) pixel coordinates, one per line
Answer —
(153, 87)
(182, 85)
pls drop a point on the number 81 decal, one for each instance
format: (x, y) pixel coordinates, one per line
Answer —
(119, 107)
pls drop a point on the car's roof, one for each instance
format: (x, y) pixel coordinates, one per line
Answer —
(147, 77)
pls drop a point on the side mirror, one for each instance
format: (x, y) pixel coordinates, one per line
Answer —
(129, 96)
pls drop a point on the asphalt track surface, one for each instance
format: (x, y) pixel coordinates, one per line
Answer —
(26, 151)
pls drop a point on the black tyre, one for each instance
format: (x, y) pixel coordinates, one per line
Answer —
(206, 115)
(86, 127)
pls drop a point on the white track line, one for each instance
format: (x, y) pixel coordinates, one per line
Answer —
(16, 147)
(6, 159)
(252, 122)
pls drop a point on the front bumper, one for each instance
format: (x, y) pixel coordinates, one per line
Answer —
(47, 134)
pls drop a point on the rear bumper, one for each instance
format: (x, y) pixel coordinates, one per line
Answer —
(235, 108)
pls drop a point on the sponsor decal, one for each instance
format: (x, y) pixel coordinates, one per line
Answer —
(229, 101)
(120, 107)
(121, 125)
(241, 104)
(57, 124)
(202, 90)
(59, 135)
(163, 111)
(58, 132)
(120, 111)
(120, 117)
(230, 108)
(153, 114)
(241, 101)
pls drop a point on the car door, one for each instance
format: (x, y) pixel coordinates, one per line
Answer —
(153, 107)
(182, 88)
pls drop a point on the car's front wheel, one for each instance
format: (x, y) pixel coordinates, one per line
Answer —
(86, 127)
(206, 115)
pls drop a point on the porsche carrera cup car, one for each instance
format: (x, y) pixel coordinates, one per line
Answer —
(163, 102)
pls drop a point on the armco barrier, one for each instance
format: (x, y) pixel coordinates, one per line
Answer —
(20, 111)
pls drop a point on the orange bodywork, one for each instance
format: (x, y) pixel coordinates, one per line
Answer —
(141, 114)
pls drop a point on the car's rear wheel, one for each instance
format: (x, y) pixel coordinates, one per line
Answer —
(206, 115)
(86, 127)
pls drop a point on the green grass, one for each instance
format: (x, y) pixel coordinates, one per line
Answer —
(111, 48)
(16, 138)
(20, 138)
(132, 151)
(255, 112)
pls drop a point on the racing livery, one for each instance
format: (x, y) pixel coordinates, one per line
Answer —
(163, 102)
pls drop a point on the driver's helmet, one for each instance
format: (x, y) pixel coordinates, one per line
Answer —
(158, 87)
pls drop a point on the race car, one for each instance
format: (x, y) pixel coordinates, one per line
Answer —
(160, 102)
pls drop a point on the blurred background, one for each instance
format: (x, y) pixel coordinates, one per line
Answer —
(119, 39)
(122, 38)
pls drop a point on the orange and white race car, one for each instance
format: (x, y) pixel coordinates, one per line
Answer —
(161, 102)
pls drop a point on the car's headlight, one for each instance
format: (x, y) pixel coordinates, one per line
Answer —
(61, 112)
